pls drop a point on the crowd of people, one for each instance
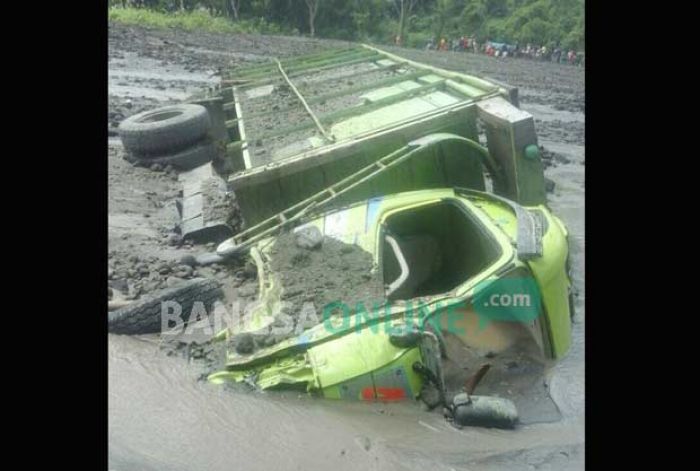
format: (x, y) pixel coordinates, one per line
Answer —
(553, 53)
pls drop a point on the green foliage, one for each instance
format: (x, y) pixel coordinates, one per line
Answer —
(540, 22)
(201, 20)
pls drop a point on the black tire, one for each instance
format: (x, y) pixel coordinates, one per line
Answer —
(164, 130)
(198, 154)
(144, 316)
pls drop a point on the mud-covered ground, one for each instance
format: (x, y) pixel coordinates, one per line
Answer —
(162, 417)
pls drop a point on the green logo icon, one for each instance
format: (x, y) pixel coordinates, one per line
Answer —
(507, 299)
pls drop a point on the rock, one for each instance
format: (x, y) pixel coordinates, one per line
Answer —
(364, 442)
(173, 281)
(561, 159)
(186, 270)
(110, 273)
(247, 291)
(189, 260)
(119, 285)
(250, 271)
(243, 343)
(157, 167)
(309, 238)
(209, 258)
(549, 185)
(174, 239)
(151, 286)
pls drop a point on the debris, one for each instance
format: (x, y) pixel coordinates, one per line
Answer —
(173, 281)
(208, 258)
(549, 185)
(243, 343)
(247, 291)
(174, 239)
(309, 238)
(336, 271)
(188, 259)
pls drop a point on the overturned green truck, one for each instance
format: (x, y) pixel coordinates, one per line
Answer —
(387, 154)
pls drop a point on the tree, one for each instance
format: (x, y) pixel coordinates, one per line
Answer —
(234, 7)
(312, 5)
(403, 9)
(474, 16)
(444, 11)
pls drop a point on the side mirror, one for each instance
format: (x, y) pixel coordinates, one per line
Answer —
(484, 411)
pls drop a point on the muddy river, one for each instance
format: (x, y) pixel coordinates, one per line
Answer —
(162, 418)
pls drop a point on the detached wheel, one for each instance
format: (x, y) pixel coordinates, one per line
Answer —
(144, 316)
(164, 130)
(187, 159)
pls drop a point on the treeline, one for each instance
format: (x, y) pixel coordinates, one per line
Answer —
(541, 22)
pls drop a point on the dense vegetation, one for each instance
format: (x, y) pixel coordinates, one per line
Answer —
(542, 22)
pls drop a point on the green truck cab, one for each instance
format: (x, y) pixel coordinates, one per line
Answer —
(358, 356)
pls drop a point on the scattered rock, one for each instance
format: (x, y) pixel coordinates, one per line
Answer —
(173, 281)
(309, 238)
(549, 185)
(250, 271)
(247, 291)
(119, 285)
(189, 260)
(243, 343)
(364, 442)
(174, 239)
(186, 270)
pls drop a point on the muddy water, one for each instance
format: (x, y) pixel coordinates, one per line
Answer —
(161, 417)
